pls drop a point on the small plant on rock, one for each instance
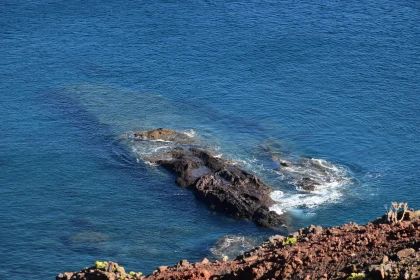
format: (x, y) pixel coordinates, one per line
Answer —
(100, 265)
(289, 241)
(356, 276)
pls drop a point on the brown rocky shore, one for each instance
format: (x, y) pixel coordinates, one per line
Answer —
(384, 249)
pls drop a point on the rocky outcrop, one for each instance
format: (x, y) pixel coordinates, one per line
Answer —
(221, 184)
(350, 251)
(101, 271)
(164, 134)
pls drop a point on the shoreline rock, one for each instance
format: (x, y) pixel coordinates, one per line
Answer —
(371, 251)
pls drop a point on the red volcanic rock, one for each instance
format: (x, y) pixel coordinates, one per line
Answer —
(405, 253)
(373, 250)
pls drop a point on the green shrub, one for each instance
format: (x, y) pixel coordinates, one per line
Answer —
(289, 241)
(356, 276)
(131, 275)
(100, 265)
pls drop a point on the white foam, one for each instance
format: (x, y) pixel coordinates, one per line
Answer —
(147, 149)
(330, 181)
(160, 148)
(277, 195)
(303, 200)
(151, 163)
(307, 200)
(160, 140)
(190, 133)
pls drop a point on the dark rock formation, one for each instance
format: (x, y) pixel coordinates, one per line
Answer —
(221, 184)
(164, 134)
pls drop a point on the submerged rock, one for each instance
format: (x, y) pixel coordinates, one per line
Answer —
(89, 237)
(221, 184)
(307, 184)
(232, 245)
(164, 134)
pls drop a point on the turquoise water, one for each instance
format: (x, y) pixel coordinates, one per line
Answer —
(332, 81)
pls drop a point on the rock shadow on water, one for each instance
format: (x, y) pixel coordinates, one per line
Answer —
(90, 242)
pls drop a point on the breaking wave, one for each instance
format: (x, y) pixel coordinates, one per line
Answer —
(325, 180)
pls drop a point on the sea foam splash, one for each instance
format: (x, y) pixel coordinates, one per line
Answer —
(143, 149)
(328, 181)
(190, 132)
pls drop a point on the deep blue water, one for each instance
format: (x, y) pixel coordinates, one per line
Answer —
(337, 81)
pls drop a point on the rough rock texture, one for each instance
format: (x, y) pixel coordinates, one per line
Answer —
(112, 271)
(372, 251)
(164, 135)
(224, 186)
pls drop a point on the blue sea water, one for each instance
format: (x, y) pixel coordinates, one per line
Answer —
(336, 81)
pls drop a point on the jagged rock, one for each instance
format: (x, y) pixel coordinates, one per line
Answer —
(317, 230)
(65, 276)
(205, 274)
(276, 239)
(221, 184)
(294, 235)
(184, 263)
(405, 253)
(250, 259)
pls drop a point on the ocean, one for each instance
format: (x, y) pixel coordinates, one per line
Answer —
(329, 85)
